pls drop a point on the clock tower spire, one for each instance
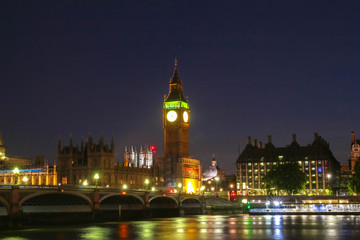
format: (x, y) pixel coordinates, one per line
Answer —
(176, 121)
(179, 169)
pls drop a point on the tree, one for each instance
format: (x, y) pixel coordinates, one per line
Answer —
(354, 183)
(287, 177)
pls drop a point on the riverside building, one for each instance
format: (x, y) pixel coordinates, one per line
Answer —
(316, 160)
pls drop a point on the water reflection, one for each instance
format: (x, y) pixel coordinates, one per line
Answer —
(205, 227)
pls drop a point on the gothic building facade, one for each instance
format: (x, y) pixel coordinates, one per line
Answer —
(79, 164)
(143, 159)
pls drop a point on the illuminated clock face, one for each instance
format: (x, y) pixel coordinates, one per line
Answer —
(186, 117)
(171, 116)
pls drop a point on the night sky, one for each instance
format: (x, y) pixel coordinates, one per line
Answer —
(249, 68)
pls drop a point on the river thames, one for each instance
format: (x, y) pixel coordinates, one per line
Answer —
(204, 227)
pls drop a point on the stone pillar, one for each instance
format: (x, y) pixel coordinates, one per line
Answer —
(96, 204)
(15, 214)
(14, 201)
(147, 209)
(147, 200)
(181, 209)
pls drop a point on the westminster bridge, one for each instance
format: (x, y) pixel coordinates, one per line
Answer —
(62, 204)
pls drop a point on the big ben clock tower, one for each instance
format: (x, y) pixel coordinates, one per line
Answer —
(179, 169)
(176, 120)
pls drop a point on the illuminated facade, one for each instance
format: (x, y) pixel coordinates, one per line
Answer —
(143, 159)
(316, 160)
(33, 176)
(77, 165)
(178, 166)
(213, 171)
(354, 152)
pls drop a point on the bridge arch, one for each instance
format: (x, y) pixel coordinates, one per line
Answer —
(163, 202)
(191, 201)
(50, 201)
(112, 201)
(119, 194)
(22, 200)
(5, 207)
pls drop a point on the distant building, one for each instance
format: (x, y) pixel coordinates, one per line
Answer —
(316, 160)
(143, 159)
(77, 165)
(10, 162)
(354, 152)
(38, 174)
(213, 171)
(31, 176)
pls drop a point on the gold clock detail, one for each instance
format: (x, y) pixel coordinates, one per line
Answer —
(171, 116)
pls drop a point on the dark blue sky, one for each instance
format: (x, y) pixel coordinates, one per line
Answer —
(249, 68)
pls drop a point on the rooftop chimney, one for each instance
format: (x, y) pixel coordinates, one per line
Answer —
(248, 140)
(269, 139)
(294, 137)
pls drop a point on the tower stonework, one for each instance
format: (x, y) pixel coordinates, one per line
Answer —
(179, 168)
(176, 120)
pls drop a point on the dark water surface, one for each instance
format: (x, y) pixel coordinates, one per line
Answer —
(204, 227)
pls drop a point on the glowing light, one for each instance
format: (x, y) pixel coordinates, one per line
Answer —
(153, 189)
(16, 171)
(25, 179)
(276, 203)
(147, 181)
(244, 200)
(96, 176)
(171, 116)
(176, 105)
(85, 183)
(186, 117)
(202, 188)
(179, 185)
(217, 178)
(124, 186)
(190, 188)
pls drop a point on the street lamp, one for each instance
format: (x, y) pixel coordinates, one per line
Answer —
(96, 177)
(146, 183)
(124, 187)
(25, 179)
(180, 188)
(216, 186)
(16, 172)
(85, 183)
